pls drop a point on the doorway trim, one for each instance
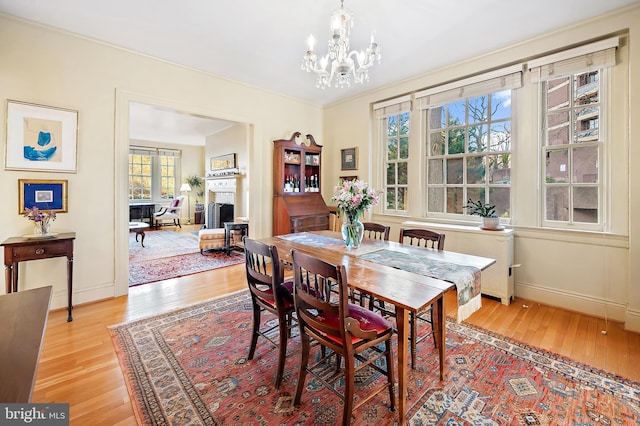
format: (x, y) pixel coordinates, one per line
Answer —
(121, 160)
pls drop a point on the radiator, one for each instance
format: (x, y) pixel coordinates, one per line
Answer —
(498, 279)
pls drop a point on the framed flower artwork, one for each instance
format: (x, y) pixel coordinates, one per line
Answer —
(41, 138)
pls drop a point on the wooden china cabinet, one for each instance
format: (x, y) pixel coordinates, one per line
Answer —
(297, 199)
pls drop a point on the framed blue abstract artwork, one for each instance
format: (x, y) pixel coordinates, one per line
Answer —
(41, 138)
(45, 194)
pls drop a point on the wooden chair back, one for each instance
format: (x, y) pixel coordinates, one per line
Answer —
(265, 274)
(376, 231)
(319, 287)
(422, 237)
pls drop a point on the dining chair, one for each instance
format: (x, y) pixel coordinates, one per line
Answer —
(376, 231)
(422, 237)
(430, 239)
(347, 330)
(372, 231)
(271, 293)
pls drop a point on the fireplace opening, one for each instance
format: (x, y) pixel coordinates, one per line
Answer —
(218, 214)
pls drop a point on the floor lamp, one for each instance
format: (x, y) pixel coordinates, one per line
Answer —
(187, 188)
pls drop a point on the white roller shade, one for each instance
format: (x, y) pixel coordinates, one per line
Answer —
(169, 152)
(142, 150)
(392, 106)
(593, 56)
(495, 81)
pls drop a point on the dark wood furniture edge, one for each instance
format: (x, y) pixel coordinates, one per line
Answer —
(23, 316)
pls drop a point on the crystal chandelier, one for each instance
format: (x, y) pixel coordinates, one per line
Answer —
(343, 63)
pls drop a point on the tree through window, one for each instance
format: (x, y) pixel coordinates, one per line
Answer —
(469, 153)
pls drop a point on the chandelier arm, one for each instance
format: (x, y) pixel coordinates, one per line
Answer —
(340, 58)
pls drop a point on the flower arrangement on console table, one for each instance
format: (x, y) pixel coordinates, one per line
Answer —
(352, 198)
(41, 218)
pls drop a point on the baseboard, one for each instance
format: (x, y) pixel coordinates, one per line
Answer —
(574, 302)
(632, 321)
(82, 296)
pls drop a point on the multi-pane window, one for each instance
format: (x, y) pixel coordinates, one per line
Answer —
(153, 173)
(167, 176)
(140, 166)
(396, 162)
(468, 146)
(572, 147)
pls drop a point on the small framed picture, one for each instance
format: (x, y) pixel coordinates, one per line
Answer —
(346, 178)
(41, 138)
(222, 162)
(349, 159)
(50, 195)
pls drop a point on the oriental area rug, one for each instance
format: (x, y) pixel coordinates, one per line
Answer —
(169, 254)
(190, 367)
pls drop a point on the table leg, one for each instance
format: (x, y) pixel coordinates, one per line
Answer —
(14, 271)
(402, 323)
(440, 330)
(8, 276)
(69, 286)
(227, 240)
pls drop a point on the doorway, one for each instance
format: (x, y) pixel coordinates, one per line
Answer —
(126, 102)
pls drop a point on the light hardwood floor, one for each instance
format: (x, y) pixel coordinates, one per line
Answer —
(79, 366)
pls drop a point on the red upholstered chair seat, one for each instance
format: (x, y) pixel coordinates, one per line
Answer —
(368, 320)
(285, 291)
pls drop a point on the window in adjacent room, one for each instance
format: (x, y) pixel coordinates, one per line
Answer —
(168, 176)
(153, 173)
(140, 176)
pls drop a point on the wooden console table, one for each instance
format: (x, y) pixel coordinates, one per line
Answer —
(21, 249)
(23, 316)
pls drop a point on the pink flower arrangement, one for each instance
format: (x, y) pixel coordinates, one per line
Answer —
(353, 197)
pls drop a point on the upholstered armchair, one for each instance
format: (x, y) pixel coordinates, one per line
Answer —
(169, 213)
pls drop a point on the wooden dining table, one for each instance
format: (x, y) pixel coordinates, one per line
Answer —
(408, 291)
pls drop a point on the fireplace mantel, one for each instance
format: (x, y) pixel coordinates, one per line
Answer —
(220, 190)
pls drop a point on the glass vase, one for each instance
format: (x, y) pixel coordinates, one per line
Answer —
(42, 228)
(352, 231)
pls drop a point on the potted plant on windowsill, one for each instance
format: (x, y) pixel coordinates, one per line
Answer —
(487, 213)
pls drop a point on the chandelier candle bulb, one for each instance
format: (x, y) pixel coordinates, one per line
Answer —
(344, 63)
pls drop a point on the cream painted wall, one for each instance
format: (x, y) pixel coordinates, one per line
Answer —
(588, 272)
(235, 139)
(49, 67)
(44, 66)
(192, 165)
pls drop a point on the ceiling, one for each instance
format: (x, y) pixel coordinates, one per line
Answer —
(261, 43)
(151, 123)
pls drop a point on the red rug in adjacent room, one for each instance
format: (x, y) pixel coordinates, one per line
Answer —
(177, 266)
(160, 243)
(189, 366)
(169, 254)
